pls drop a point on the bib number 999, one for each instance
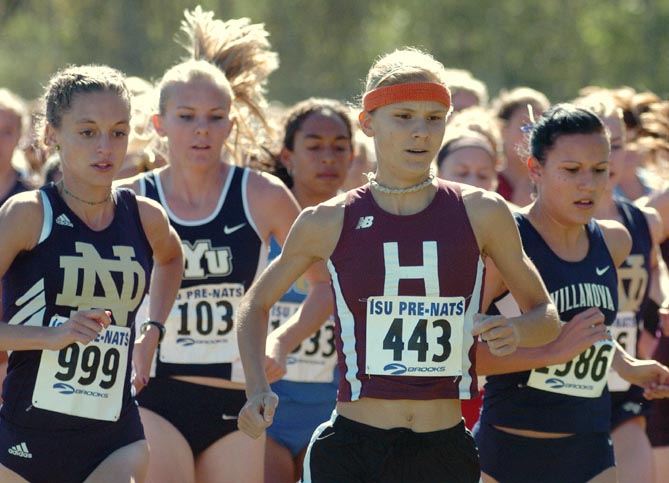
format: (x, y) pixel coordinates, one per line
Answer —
(91, 362)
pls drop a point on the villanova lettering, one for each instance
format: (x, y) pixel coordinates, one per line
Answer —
(582, 295)
(203, 260)
(85, 272)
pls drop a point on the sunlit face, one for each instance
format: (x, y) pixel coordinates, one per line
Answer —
(92, 137)
(470, 165)
(617, 156)
(407, 137)
(513, 136)
(321, 155)
(10, 133)
(196, 122)
(573, 178)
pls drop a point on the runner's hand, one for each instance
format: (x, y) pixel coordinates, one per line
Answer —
(496, 330)
(258, 413)
(579, 334)
(82, 326)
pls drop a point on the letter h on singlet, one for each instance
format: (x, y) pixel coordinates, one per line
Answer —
(428, 271)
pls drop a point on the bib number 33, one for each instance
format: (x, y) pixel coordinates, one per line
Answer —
(415, 336)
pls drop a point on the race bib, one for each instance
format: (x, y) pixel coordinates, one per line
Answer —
(415, 336)
(200, 328)
(583, 376)
(315, 358)
(624, 331)
(85, 380)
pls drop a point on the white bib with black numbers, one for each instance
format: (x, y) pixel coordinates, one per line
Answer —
(583, 376)
(415, 336)
(200, 328)
(85, 380)
(315, 358)
(624, 331)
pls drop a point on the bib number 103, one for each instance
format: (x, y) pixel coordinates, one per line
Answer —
(206, 318)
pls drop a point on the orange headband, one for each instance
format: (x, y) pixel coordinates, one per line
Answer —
(413, 91)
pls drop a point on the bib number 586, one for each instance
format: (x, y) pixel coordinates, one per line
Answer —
(592, 362)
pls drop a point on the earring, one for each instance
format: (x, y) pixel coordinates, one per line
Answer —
(57, 147)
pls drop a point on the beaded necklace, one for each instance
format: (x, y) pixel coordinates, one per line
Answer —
(371, 177)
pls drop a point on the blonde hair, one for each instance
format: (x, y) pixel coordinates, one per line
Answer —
(405, 65)
(601, 101)
(240, 52)
(462, 80)
(187, 72)
(17, 106)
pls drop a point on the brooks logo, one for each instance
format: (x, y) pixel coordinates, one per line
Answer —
(64, 220)
(229, 230)
(602, 271)
(395, 368)
(63, 388)
(20, 450)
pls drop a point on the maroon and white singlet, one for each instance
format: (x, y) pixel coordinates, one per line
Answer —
(406, 289)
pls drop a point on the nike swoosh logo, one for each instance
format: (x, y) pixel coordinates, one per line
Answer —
(602, 271)
(228, 417)
(229, 230)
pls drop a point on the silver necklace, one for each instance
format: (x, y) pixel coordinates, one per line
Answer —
(371, 177)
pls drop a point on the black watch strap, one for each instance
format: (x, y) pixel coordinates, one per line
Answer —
(161, 327)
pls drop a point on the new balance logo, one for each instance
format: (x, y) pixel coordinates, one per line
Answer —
(64, 220)
(20, 450)
(365, 222)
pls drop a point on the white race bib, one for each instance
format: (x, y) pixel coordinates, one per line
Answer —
(624, 331)
(200, 328)
(315, 358)
(583, 376)
(415, 336)
(85, 380)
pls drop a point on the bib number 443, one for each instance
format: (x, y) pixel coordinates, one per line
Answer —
(418, 341)
(415, 336)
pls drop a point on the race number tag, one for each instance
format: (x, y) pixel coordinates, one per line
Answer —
(415, 336)
(85, 380)
(623, 331)
(315, 358)
(200, 328)
(583, 376)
